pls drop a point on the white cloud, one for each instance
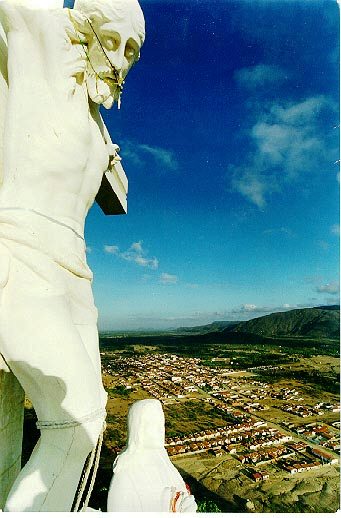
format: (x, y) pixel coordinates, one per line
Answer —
(323, 244)
(249, 311)
(167, 278)
(140, 154)
(260, 76)
(137, 247)
(88, 249)
(135, 254)
(162, 157)
(129, 152)
(288, 145)
(111, 249)
(332, 288)
(261, 310)
(335, 229)
(251, 185)
(249, 307)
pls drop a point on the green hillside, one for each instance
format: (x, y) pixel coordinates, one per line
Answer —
(321, 323)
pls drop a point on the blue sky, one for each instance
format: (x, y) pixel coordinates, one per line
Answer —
(229, 132)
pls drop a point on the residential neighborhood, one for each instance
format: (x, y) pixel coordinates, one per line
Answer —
(294, 446)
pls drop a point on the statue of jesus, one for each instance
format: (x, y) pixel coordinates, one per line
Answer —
(54, 149)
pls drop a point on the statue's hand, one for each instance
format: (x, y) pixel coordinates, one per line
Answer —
(180, 501)
(114, 157)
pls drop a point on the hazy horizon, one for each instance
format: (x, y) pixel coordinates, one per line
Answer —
(193, 323)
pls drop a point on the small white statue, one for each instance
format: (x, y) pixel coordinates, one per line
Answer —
(54, 150)
(144, 478)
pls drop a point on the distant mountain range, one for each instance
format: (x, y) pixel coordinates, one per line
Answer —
(320, 322)
(310, 327)
(218, 325)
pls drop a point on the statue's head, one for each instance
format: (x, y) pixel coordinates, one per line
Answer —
(113, 32)
(146, 425)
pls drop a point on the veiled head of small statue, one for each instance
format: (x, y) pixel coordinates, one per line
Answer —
(146, 425)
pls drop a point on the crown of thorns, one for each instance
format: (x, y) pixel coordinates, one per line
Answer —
(116, 79)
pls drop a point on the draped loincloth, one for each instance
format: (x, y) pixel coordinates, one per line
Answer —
(60, 242)
(54, 257)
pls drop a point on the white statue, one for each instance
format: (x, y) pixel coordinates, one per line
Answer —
(54, 149)
(144, 478)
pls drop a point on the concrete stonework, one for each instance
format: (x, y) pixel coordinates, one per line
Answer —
(57, 67)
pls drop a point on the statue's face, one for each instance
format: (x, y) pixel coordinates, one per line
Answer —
(110, 44)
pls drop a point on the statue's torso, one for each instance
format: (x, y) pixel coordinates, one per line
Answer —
(54, 150)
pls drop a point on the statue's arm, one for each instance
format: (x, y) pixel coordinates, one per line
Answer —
(10, 10)
(29, 73)
(35, 4)
(12, 45)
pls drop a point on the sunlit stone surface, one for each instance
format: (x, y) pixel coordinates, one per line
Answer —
(57, 67)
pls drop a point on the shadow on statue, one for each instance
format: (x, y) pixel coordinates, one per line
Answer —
(99, 494)
(53, 459)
